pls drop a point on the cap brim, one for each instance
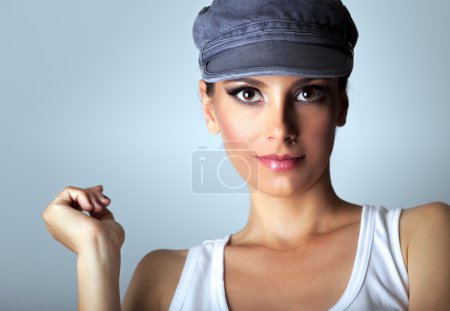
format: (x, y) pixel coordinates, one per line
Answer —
(278, 58)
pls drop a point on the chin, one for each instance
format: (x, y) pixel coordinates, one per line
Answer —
(279, 188)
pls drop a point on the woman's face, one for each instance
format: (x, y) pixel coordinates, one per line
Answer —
(261, 115)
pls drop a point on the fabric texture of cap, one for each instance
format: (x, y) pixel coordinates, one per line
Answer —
(241, 38)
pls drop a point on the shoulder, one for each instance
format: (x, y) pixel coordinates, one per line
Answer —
(155, 280)
(424, 223)
(424, 220)
(431, 209)
(425, 233)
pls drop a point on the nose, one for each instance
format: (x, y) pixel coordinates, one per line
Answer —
(280, 121)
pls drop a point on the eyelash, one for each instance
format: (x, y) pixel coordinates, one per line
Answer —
(321, 91)
(235, 91)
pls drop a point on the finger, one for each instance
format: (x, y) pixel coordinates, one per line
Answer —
(105, 199)
(98, 187)
(74, 194)
(93, 197)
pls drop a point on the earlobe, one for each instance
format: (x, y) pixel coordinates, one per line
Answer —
(208, 109)
(343, 109)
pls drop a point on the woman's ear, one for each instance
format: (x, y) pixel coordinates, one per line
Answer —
(208, 109)
(343, 108)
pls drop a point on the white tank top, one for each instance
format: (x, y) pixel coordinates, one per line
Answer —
(379, 280)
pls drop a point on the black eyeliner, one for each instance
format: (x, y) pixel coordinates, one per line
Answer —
(236, 90)
(322, 92)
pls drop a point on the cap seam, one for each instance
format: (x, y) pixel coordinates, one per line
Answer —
(278, 30)
(284, 21)
(227, 36)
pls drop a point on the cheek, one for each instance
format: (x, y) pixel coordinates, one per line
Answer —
(236, 130)
(238, 138)
(318, 134)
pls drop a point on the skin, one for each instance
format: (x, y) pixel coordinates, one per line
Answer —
(300, 240)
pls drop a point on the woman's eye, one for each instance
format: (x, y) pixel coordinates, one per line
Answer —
(246, 95)
(311, 94)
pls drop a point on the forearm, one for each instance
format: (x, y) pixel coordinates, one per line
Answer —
(98, 279)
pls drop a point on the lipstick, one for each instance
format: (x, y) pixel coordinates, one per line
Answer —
(279, 163)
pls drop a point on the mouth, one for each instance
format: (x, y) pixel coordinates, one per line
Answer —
(280, 163)
(276, 156)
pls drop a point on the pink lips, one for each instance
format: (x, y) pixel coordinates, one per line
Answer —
(279, 163)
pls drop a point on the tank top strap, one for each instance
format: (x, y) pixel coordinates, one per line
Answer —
(186, 278)
(218, 297)
(379, 280)
(387, 240)
(200, 280)
(362, 258)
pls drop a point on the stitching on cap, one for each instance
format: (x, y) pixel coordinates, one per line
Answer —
(310, 28)
(297, 25)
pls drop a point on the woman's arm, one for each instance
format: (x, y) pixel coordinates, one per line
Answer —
(427, 232)
(95, 238)
(98, 278)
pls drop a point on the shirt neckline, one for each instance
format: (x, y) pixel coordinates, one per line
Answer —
(354, 284)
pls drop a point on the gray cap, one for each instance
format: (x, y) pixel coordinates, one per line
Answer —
(241, 38)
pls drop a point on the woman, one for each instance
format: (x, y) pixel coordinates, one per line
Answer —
(274, 76)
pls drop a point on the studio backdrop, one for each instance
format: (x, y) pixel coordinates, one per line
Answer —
(106, 92)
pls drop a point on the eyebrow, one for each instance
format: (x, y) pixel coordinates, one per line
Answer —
(258, 83)
(249, 81)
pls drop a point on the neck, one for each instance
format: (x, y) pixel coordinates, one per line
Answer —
(283, 222)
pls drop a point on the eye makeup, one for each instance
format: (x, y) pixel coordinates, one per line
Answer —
(310, 94)
(239, 93)
(304, 91)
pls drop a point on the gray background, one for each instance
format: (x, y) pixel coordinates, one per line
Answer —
(106, 92)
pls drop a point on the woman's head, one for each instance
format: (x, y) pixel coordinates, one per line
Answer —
(274, 78)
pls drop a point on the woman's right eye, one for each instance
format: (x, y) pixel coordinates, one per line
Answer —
(246, 95)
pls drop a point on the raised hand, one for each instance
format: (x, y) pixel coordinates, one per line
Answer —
(76, 230)
(80, 220)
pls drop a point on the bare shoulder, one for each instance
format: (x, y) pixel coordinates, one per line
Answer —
(425, 235)
(432, 209)
(424, 222)
(422, 217)
(155, 280)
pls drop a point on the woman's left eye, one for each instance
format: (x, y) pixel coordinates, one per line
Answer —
(311, 94)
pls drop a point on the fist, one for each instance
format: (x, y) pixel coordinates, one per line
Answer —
(80, 220)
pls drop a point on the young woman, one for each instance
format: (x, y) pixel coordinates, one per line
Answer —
(274, 76)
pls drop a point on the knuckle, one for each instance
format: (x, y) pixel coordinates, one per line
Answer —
(72, 189)
(52, 209)
(44, 215)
